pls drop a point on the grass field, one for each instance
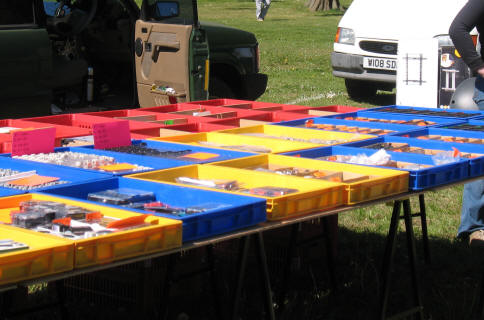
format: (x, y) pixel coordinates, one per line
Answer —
(295, 46)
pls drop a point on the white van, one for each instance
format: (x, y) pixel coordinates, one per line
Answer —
(366, 42)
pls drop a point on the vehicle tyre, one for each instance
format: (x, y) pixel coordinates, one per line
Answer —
(358, 89)
(219, 89)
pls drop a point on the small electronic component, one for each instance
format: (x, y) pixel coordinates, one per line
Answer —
(143, 149)
(7, 245)
(269, 191)
(122, 196)
(230, 185)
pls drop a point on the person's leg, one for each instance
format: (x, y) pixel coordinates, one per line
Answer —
(258, 9)
(265, 8)
(472, 213)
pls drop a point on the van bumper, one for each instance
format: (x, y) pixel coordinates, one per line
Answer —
(351, 66)
(255, 85)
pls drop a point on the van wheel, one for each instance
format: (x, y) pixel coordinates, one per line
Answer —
(358, 89)
(220, 89)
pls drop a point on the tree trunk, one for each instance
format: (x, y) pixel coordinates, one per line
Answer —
(317, 5)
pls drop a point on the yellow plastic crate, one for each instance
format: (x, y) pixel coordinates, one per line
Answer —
(161, 234)
(45, 255)
(285, 133)
(313, 195)
(361, 183)
(239, 142)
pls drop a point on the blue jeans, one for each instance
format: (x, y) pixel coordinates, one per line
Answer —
(472, 214)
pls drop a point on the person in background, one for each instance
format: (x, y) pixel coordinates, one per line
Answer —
(469, 17)
(261, 8)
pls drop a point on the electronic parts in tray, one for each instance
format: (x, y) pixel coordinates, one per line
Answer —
(314, 140)
(26, 180)
(144, 150)
(234, 185)
(84, 161)
(371, 160)
(413, 122)
(434, 137)
(146, 200)
(344, 128)
(425, 112)
(69, 221)
(328, 175)
(405, 147)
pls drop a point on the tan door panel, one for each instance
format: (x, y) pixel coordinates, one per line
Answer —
(164, 62)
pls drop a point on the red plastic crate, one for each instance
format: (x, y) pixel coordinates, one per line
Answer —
(61, 131)
(86, 121)
(201, 127)
(216, 113)
(334, 108)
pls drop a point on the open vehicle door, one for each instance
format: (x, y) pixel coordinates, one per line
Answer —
(26, 63)
(171, 53)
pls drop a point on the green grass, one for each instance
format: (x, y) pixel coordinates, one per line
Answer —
(295, 46)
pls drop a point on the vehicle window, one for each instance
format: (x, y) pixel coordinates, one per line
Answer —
(156, 8)
(17, 12)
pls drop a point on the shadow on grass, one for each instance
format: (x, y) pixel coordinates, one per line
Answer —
(450, 284)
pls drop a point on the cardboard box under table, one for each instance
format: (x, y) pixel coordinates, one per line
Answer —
(361, 183)
(224, 212)
(423, 173)
(33, 255)
(157, 234)
(305, 196)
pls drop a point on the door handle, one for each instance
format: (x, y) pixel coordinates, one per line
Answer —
(165, 47)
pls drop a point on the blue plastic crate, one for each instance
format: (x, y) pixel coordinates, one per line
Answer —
(418, 179)
(441, 132)
(152, 162)
(240, 211)
(444, 113)
(170, 146)
(72, 175)
(476, 165)
(372, 125)
(472, 123)
(391, 116)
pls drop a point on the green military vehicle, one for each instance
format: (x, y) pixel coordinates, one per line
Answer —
(65, 56)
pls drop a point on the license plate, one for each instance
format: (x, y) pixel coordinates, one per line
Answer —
(379, 63)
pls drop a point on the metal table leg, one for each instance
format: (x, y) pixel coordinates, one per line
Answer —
(425, 236)
(261, 253)
(242, 263)
(287, 266)
(412, 256)
(388, 258)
